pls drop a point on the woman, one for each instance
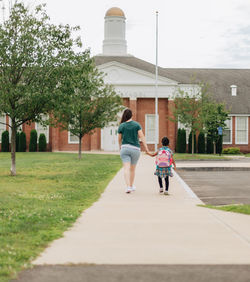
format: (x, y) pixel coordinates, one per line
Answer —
(129, 133)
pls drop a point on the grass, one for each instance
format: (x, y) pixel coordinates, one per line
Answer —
(245, 209)
(179, 156)
(46, 197)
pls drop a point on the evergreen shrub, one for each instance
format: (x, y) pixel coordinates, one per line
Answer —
(33, 141)
(190, 143)
(22, 142)
(17, 141)
(42, 144)
(209, 148)
(219, 145)
(5, 141)
(201, 143)
(231, 150)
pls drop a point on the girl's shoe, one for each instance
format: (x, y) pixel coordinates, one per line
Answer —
(128, 190)
(133, 188)
(166, 193)
(161, 190)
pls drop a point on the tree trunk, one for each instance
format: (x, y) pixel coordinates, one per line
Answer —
(214, 147)
(13, 151)
(192, 142)
(80, 148)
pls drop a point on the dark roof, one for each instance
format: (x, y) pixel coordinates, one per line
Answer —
(219, 80)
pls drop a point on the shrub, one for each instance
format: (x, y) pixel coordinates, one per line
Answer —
(5, 141)
(201, 143)
(190, 143)
(33, 141)
(219, 145)
(42, 144)
(178, 140)
(209, 148)
(183, 141)
(22, 142)
(231, 150)
(17, 141)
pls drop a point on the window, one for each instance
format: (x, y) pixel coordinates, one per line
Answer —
(227, 132)
(2, 126)
(150, 129)
(42, 129)
(72, 139)
(241, 130)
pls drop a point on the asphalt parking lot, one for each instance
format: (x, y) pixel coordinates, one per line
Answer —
(219, 187)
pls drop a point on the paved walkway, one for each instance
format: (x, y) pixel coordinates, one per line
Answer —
(148, 228)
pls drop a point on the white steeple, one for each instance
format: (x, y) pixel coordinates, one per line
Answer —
(114, 43)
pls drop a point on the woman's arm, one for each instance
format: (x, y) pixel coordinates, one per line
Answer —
(143, 140)
(120, 140)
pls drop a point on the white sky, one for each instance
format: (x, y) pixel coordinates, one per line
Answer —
(192, 33)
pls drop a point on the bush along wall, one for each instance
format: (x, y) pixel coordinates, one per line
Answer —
(201, 143)
(22, 142)
(5, 141)
(209, 147)
(231, 150)
(17, 141)
(42, 143)
(190, 143)
(33, 141)
(219, 145)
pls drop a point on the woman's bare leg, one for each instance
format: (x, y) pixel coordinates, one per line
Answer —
(126, 167)
(132, 175)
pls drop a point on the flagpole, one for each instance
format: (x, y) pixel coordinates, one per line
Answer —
(156, 88)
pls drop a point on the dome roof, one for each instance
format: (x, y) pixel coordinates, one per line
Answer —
(115, 12)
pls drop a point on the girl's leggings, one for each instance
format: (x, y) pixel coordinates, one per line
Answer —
(166, 181)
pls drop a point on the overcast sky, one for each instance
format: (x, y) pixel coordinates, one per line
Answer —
(193, 33)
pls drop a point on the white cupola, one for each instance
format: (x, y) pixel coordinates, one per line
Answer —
(234, 90)
(114, 43)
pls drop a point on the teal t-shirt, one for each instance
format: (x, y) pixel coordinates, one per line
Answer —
(129, 131)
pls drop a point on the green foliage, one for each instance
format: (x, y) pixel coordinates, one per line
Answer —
(219, 144)
(22, 142)
(17, 141)
(209, 147)
(181, 141)
(5, 141)
(47, 197)
(190, 143)
(42, 144)
(33, 141)
(231, 150)
(201, 143)
(89, 103)
(34, 55)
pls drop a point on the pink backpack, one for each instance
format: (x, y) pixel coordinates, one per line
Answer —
(164, 158)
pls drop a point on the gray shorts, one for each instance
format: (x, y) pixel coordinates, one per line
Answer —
(130, 155)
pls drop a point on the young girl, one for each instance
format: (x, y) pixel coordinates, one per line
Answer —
(164, 172)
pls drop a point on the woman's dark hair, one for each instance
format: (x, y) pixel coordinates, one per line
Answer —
(127, 114)
(165, 141)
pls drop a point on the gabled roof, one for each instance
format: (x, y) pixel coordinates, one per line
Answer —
(220, 80)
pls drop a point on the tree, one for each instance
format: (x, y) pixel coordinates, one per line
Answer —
(215, 115)
(33, 141)
(90, 103)
(188, 108)
(42, 144)
(33, 57)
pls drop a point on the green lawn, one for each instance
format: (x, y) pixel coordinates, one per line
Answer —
(44, 199)
(232, 208)
(179, 156)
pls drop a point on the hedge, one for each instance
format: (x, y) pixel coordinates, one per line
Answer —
(190, 143)
(22, 142)
(33, 141)
(42, 144)
(231, 150)
(201, 143)
(5, 141)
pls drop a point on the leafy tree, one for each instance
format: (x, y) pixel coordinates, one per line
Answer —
(201, 143)
(5, 141)
(33, 141)
(42, 144)
(33, 57)
(90, 103)
(22, 142)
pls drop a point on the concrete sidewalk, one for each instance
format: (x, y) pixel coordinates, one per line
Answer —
(148, 228)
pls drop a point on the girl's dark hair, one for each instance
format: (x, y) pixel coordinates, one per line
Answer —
(165, 141)
(127, 114)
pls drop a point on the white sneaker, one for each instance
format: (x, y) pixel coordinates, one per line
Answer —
(128, 190)
(133, 188)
